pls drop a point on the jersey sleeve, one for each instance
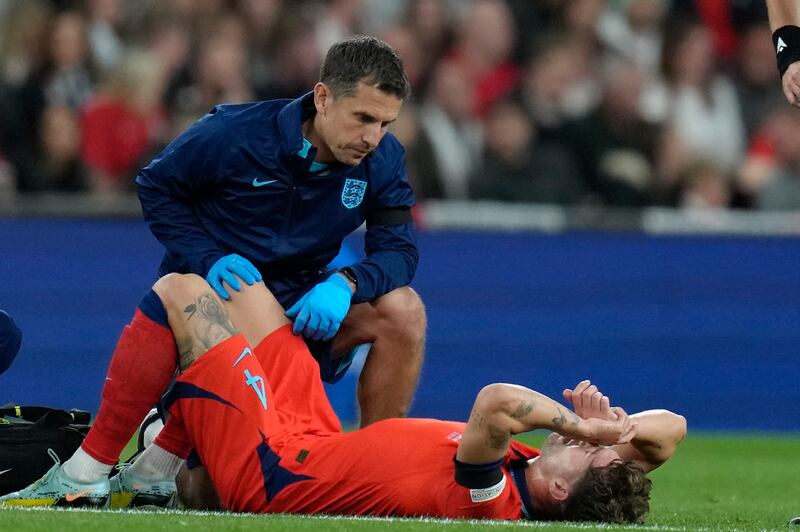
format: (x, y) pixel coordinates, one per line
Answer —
(390, 242)
(498, 501)
(187, 168)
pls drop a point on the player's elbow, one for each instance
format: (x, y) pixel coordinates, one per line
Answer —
(677, 427)
(672, 429)
(498, 402)
(672, 426)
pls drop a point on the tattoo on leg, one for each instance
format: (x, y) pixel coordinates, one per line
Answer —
(210, 325)
(185, 352)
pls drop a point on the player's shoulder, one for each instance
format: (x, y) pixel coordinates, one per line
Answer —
(247, 124)
(252, 113)
(387, 157)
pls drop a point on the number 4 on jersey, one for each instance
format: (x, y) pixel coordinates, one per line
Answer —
(258, 385)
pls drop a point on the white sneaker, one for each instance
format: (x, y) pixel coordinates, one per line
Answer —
(130, 491)
(56, 489)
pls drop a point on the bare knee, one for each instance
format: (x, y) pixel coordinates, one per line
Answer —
(404, 312)
(175, 288)
(196, 315)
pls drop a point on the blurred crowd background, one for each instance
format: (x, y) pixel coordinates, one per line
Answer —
(619, 103)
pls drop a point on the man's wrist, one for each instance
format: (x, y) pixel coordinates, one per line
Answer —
(786, 40)
(349, 275)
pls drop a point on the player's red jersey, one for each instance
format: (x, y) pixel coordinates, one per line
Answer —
(284, 452)
(400, 467)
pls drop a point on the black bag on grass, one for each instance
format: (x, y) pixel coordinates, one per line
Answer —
(26, 435)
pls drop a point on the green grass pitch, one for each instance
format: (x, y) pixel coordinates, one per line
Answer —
(714, 482)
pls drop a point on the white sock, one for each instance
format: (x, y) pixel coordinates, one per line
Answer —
(83, 468)
(156, 464)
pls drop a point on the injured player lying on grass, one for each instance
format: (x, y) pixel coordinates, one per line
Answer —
(259, 423)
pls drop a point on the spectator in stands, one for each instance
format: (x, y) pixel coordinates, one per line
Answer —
(454, 135)
(219, 75)
(59, 166)
(105, 19)
(64, 79)
(215, 51)
(483, 50)
(68, 79)
(632, 30)
(421, 164)
(615, 145)
(263, 19)
(555, 67)
(297, 60)
(780, 190)
(758, 93)
(430, 22)
(577, 23)
(339, 21)
(518, 168)
(401, 38)
(704, 118)
(23, 40)
(704, 187)
(171, 44)
(122, 122)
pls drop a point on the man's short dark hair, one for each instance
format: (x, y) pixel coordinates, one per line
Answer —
(616, 493)
(366, 59)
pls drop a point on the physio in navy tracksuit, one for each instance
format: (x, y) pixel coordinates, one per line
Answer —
(270, 189)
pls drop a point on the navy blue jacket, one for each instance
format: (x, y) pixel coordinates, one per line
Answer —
(234, 183)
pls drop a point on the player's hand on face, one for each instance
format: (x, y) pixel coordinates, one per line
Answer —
(228, 269)
(791, 84)
(319, 313)
(620, 430)
(588, 401)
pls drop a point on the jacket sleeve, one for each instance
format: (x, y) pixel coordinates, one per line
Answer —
(390, 242)
(168, 186)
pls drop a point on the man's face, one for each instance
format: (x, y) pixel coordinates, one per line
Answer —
(570, 459)
(352, 126)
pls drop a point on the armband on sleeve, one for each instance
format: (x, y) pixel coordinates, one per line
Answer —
(787, 46)
(390, 216)
(479, 475)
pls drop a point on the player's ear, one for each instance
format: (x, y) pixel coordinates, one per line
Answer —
(558, 488)
(323, 97)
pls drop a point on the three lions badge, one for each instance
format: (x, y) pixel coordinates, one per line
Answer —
(353, 192)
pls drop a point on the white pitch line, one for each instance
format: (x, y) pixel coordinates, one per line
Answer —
(432, 520)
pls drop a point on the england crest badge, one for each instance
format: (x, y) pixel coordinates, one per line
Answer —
(353, 192)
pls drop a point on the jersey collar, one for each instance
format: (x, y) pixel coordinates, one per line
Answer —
(290, 124)
(516, 468)
(295, 153)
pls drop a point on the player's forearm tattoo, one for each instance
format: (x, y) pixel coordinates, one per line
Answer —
(210, 326)
(561, 420)
(477, 416)
(523, 409)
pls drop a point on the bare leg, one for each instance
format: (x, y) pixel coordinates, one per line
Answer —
(395, 324)
(195, 489)
(197, 317)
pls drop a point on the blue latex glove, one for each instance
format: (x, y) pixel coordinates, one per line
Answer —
(320, 312)
(227, 269)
